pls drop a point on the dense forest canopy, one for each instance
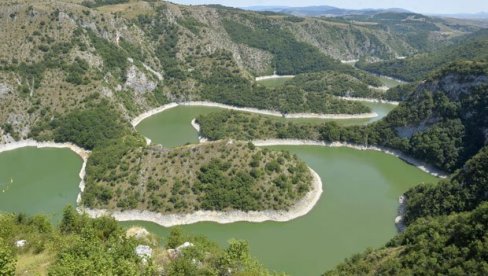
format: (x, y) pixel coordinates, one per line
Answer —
(289, 55)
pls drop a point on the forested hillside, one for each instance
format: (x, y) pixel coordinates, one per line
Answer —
(447, 245)
(443, 120)
(142, 54)
(79, 70)
(415, 68)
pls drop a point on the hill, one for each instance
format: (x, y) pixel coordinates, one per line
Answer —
(218, 176)
(142, 54)
(417, 67)
(442, 120)
(321, 10)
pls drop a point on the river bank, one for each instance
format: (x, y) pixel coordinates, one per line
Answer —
(137, 120)
(274, 76)
(301, 208)
(370, 100)
(402, 200)
(84, 154)
(417, 163)
(295, 142)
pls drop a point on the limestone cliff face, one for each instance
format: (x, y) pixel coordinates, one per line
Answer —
(138, 81)
(55, 54)
(445, 119)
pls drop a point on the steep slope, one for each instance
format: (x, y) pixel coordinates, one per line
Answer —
(417, 67)
(448, 245)
(137, 55)
(57, 55)
(466, 189)
(443, 120)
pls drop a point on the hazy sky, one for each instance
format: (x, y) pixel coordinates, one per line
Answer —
(421, 6)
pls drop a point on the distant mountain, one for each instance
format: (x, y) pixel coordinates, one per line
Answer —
(479, 15)
(322, 10)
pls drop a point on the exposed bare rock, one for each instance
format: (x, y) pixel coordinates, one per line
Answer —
(455, 84)
(93, 60)
(138, 81)
(4, 89)
(409, 131)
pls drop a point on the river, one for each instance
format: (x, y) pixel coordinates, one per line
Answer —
(39, 181)
(356, 210)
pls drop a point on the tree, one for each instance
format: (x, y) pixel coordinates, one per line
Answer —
(70, 220)
(7, 260)
(175, 238)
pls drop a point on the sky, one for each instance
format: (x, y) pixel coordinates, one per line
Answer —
(420, 6)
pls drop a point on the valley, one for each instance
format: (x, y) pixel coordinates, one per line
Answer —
(143, 137)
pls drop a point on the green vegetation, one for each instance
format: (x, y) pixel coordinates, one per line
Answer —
(446, 245)
(225, 87)
(439, 124)
(414, 28)
(7, 260)
(222, 176)
(418, 67)
(346, 84)
(114, 58)
(273, 83)
(400, 92)
(165, 34)
(463, 192)
(55, 56)
(442, 120)
(84, 246)
(91, 127)
(289, 56)
(88, 128)
(191, 24)
(247, 126)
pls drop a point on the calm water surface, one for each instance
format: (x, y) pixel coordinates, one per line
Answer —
(39, 181)
(356, 210)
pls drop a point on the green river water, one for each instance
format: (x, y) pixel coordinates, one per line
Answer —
(34, 181)
(356, 210)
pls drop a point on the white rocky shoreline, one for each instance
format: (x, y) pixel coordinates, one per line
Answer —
(137, 120)
(296, 142)
(370, 100)
(274, 76)
(292, 142)
(84, 154)
(301, 208)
